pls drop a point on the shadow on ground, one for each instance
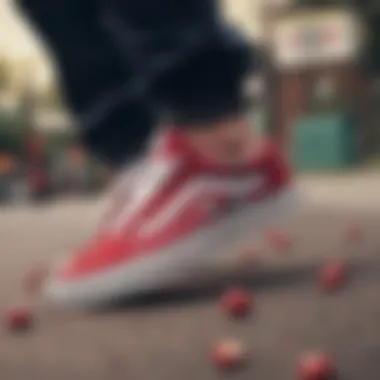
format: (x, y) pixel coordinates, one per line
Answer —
(261, 280)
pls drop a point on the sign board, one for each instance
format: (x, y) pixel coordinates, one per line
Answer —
(313, 38)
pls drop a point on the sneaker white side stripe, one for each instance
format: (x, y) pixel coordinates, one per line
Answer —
(151, 179)
(201, 187)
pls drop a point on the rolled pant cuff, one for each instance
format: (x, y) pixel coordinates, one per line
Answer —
(202, 114)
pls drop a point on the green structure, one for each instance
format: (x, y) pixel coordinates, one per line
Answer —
(325, 142)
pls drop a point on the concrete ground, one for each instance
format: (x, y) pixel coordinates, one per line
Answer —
(170, 337)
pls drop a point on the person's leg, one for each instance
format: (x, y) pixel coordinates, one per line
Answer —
(203, 187)
(113, 118)
(195, 63)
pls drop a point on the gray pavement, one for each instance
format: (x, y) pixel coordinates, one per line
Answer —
(169, 337)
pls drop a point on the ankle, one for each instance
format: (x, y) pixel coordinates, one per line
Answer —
(226, 141)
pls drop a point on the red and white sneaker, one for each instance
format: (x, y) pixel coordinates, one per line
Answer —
(176, 211)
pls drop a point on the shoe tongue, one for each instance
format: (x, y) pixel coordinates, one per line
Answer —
(173, 145)
(169, 144)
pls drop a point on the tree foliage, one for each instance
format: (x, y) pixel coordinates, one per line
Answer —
(4, 74)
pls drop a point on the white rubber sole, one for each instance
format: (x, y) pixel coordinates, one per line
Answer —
(182, 263)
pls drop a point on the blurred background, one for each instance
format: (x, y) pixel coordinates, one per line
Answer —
(318, 94)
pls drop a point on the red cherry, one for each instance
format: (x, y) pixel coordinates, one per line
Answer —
(19, 319)
(34, 278)
(237, 303)
(249, 256)
(228, 355)
(280, 240)
(316, 366)
(333, 275)
(354, 234)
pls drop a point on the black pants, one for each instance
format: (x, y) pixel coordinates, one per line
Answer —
(127, 65)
